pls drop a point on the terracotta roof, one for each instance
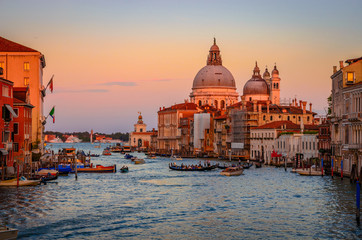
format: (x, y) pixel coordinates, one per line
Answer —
(353, 60)
(221, 117)
(288, 126)
(181, 106)
(9, 46)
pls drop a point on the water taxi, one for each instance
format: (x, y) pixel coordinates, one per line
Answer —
(106, 152)
(232, 171)
(7, 233)
(174, 157)
(98, 169)
(22, 182)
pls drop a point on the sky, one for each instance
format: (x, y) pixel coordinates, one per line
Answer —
(113, 59)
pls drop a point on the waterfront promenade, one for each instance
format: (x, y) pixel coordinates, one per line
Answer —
(154, 202)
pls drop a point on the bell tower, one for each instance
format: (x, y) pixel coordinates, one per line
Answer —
(275, 87)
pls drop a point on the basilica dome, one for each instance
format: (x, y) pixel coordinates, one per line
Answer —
(214, 76)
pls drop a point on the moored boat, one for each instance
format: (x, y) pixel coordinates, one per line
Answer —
(191, 167)
(258, 165)
(247, 165)
(128, 156)
(22, 182)
(7, 233)
(309, 172)
(98, 169)
(232, 171)
(174, 157)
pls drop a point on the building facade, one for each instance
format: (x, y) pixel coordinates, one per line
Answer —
(140, 139)
(346, 117)
(24, 66)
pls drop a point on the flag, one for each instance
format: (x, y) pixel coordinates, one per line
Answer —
(52, 114)
(50, 84)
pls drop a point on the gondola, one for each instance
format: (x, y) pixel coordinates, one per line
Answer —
(124, 169)
(258, 165)
(247, 165)
(196, 168)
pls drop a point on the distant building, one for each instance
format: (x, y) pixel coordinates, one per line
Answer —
(346, 117)
(24, 66)
(284, 138)
(140, 138)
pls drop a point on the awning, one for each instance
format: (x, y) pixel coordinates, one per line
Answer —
(11, 110)
(3, 152)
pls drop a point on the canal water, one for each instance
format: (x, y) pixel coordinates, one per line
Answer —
(153, 202)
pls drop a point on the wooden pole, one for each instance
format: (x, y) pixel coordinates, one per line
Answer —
(17, 167)
(76, 170)
(358, 202)
(322, 166)
(332, 165)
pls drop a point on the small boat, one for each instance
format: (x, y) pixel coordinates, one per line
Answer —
(22, 182)
(124, 169)
(258, 165)
(247, 165)
(106, 152)
(138, 161)
(174, 157)
(94, 155)
(98, 169)
(309, 172)
(152, 157)
(47, 172)
(232, 171)
(223, 167)
(7, 233)
(128, 156)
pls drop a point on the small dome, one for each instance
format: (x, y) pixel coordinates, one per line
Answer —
(256, 85)
(214, 48)
(214, 76)
(275, 70)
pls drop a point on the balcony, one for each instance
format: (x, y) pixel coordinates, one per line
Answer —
(8, 146)
(356, 146)
(26, 136)
(355, 117)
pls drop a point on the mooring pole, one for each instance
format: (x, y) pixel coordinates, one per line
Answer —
(76, 170)
(358, 202)
(322, 166)
(342, 169)
(332, 160)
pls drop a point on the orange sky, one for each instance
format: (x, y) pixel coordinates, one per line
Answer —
(113, 59)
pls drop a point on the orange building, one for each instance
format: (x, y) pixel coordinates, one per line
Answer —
(24, 67)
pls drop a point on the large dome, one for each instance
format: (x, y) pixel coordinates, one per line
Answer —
(214, 76)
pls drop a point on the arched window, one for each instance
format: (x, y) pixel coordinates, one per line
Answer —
(216, 104)
(271, 118)
(277, 86)
(264, 117)
(200, 103)
(288, 118)
(222, 104)
(299, 118)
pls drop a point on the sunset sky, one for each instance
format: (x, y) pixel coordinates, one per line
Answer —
(112, 59)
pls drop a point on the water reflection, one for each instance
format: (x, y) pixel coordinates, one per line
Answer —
(154, 202)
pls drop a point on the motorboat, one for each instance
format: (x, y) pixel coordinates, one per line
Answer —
(138, 161)
(98, 169)
(7, 233)
(309, 172)
(232, 171)
(174, 157)
(22, 182)
(124, 169)
(106, 152)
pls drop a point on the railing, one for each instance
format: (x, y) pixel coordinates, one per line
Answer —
(8, 146)
(355, 146)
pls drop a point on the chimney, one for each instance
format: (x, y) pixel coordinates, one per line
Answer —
(160, 108)
(310, 106)
(341, 65)
(300, 103)
(267, 106)
(334, 69)
(304, 107)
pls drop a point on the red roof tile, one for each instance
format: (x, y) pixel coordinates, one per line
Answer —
(288, 126)
(9, 46)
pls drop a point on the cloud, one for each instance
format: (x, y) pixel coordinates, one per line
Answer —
(123, 84)
(81, 90)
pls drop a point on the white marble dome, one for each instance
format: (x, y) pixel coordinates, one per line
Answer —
(214, 76)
